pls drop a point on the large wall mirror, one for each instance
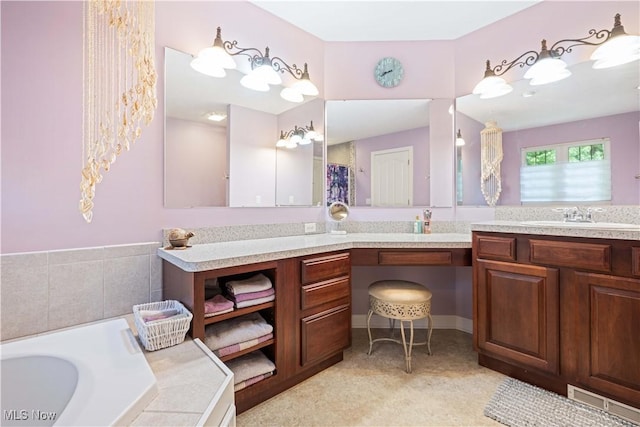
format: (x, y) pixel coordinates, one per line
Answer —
(589, 105)
(378, 152)
(234, 161)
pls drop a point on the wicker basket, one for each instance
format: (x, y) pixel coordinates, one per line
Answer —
(162, 333)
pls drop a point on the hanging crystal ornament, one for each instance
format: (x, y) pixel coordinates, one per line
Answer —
(491, 157)
(119, 92)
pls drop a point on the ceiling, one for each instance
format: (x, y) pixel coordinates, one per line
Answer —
(361, 20)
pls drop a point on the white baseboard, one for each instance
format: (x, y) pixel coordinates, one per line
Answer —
(439, 322)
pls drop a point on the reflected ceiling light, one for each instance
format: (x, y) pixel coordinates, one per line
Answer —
(216, 117)
(615, 48)
(459, 140)
(298, 136)
(265, 70)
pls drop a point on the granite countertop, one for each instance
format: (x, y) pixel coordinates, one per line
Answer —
(210, 256)
(558, 228)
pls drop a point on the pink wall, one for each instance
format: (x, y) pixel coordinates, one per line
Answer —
(418, 138)
(196, 164)
(42, 114)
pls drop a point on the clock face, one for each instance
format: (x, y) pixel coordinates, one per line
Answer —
(388, 72)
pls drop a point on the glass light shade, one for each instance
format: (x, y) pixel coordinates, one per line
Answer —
(204, 66)
(459, 140)
(613, 62)
(547, 70)
(496, 91)
(295, 139)
(305, 87)
(311, 135)
(544, 79)
(491, 84)
(291, 143)
(620, 45)
(291, 95)
(305, 141)
(218, 57)
(250, 82)
(281, 143)
(216, 117)
(267, 74)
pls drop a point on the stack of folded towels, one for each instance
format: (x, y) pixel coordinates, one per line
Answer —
(217, 305)
(237, 334)
(250, 369)
(255, 290)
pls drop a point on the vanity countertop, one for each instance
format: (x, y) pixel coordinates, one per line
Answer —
(589, 230)
(228, 254)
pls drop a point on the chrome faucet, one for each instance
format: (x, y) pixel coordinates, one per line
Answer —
(578, 214)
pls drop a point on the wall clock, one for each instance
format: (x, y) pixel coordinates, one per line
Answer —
(388, 72)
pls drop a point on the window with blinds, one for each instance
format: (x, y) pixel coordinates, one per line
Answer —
(569, 172)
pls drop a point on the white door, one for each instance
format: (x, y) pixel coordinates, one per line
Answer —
(392, 177)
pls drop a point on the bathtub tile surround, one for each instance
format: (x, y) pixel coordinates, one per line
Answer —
(43, 291)
(24, 294)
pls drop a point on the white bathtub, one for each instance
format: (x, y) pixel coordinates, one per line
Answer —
(93, 375)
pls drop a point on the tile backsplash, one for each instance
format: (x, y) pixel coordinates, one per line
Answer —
(43, 291)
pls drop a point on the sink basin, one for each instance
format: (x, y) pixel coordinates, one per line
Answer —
(590, 225)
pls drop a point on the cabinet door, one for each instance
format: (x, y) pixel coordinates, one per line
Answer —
(609, 336)
(517, 313)
(326, 333)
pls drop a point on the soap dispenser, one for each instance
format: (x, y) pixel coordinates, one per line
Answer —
(417, 225)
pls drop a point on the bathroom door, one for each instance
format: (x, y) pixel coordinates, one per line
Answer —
(392, 177)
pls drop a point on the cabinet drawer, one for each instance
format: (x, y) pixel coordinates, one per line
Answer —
(500, 248)
(414, 258)
(325, 334)
(315, 294)
(324, 267)
(589, 256)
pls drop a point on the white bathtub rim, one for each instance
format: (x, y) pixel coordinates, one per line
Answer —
(89, 405)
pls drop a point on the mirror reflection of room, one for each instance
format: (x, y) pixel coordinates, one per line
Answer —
(378, 152)
(221, 137)
(592, 115)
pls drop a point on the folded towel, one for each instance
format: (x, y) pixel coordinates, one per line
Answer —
(253, 295)
(255, 283)
(236, 330)
(249, 366)
(217, 313)
(225, 351)
(251, 381)
(216, 304)
(151, 315)
(250, 302)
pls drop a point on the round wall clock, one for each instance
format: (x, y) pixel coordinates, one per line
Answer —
(388, 72)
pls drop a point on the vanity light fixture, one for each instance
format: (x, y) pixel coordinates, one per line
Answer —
(298, 136)
(459, 139)
(616, 47)
(265, 70)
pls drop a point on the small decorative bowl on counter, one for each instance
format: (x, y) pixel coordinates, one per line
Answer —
(179, 238)
(161, 324)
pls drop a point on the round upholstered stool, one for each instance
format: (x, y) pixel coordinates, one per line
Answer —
(404, 301)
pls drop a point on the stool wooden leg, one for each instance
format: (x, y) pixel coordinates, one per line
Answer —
(369, 330)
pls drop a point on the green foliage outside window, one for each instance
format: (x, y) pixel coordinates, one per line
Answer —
(583, 153)
(542, 157)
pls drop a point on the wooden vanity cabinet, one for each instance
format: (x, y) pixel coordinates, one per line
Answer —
(311, 315)
(555, 310)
